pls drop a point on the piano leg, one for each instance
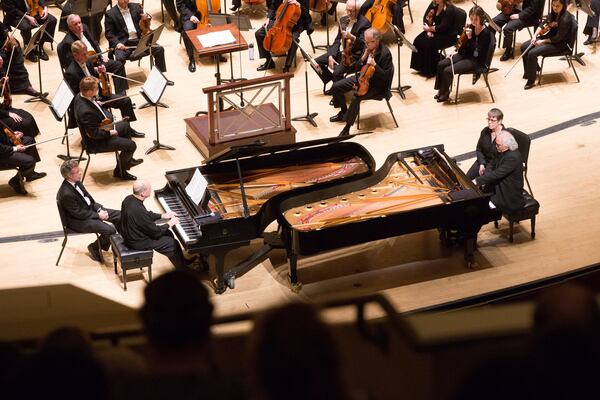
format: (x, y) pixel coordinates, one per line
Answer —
(470, 246)
(293, 259)
(219, 270)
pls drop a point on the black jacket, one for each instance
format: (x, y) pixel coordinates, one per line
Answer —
(486, 149)
(88, 118)
(77, 211)
(560, 35)
(64, 47)
(480, 42)
(187, 9)
(506, 178)
(15, 9)
(381, 81)
(137, 224)
(358, 30)
(445, 22)
(115, 27)
(532, 11)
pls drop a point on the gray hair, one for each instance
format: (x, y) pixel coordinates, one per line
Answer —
(139, 187)
(509, 140)
(375, 32)
(71, 18)
(67, 167)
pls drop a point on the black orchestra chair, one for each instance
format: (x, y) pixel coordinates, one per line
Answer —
(568, 54)
(407, 4)
(129, 258)
(68, 231)
(483, 72)
(387, 96)
(85, 147)
(532, 207)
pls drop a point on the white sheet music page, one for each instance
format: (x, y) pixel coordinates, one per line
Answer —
(154, 85)
(195, 189)
(62, 98)
(217, 38)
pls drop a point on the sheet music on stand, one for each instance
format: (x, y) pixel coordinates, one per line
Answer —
(62, 100)
(155, 85)
(217, 38)
(147, 42)
(196, 187)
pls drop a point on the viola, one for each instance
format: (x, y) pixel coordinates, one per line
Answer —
(35, 8)
(506, 6)
(279, 37)
(366, 72)
(319, 6)
(145, 23)
(206, 7)
(462, 39)
(547, 27)
(106, 124)
(431, 14)
(105, 86)
(380, 15)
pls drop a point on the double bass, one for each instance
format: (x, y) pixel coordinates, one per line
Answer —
(206, 7)
(35, 9)
(279, 37)
(380, 15)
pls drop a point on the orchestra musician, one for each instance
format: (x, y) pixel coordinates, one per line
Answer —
(19, 77)
(376, 55)
(486, 145)
(397, 12)
(83, 213)
(95, 22)
(140, 231)
(505, 176)
(20, 157)
(529, 15)
(80, 67)
(122, 30)
(556, 40)
(439, 32)
(172, 11)
(16, 9)
(591, 24)
(304, 23)
(79, 31)
(90, 115)
(16, 118)
(190, 16)
(471, 55)
(352, 27)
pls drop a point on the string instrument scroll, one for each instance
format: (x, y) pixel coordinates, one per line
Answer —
(144, 22)
(279, 37)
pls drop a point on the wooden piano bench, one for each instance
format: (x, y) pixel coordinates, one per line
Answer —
(529, 212)
(129, 258)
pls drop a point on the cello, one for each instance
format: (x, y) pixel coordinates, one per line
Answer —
(279, 36)
(380, 15)
(35, 9)
(206, 7)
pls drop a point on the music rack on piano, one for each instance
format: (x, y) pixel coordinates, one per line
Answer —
(243, 182)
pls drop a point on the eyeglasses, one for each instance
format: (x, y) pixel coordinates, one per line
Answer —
(492, 119)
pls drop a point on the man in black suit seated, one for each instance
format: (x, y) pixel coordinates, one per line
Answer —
(355, 26)
(303, 24)
(505, 177)
(81, 67)
(140, 231)
(379, 57)
(95, 22)
(530, 14)
(90, 115)
(18, 156)
(16, 9)
(122, 30)
(83, 213)
(79, 31)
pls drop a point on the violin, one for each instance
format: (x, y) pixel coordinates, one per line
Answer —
(380, 15)
(5, 92)
(206, 7)
(319, 6)
(12, 136)
(366, 72)
(431, 14)
(347, 58)
(279, 37)
(547, 27)
(35, 8)
(106, 124)
(506, 6)
(105, 86)
(462, 39)
(145, 23)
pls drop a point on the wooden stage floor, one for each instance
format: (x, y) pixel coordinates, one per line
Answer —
(415, 271)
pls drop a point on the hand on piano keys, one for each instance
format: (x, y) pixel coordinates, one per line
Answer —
(169, 215)
(173, 221)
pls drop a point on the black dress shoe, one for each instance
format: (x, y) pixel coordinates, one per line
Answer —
(135, 161)
(94, 252)
(35, 175)
(32, 56)
(43, 55)
(222, 58)
(170, 83)
(17, 185)
(331, 102)
(192, 66)
(137, 134)
(436, 96)
(285, 70)
(269, 64)
(124, 176)
(506, 55)
(529, 85)
(338, 117)
(443, 97)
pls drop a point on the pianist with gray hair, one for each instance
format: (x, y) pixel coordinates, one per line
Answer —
(139, 228)
(505, 177)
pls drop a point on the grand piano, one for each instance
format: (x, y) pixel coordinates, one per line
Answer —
(242, 183)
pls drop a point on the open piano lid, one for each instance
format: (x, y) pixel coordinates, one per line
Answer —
(258, 148)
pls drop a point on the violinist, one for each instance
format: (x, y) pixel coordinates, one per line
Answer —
(529, 15)
(304, 23)
(82, 66)
(473, 48)
(95, 21)
(90, 115)
(36, 13)
(352, 27)
(79, 31)
(376, 56)
(122, 30)
(15, 118)
(560, 22)
(19, 77)
(439, 32)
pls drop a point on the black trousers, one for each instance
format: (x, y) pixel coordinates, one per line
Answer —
(426, 59)
(339, 71)
(189, 47)
(530, 64)
(24, 161)
(122, 143)
(338, 91)
(158, 53)
(444, 76)
(171, 10)
(166, 245)
(124, 104)
(509, 27)
(103, 229)
(117, 68)
(25, 27)
(263, 53)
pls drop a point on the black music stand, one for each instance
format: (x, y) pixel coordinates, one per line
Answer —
(63, 97)
(34, 43)
(91, 8)
(400, 40)
(146, 43)
(243, 24)
(585, 6)
(308, 60)
(153, 89)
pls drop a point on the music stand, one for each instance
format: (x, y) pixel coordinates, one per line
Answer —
(153, 89)
(146, 43)
(63, 97)
(34, 42)
(585, 6)
(243, 24)
(310, 117)
(89, 8)
(401, 39)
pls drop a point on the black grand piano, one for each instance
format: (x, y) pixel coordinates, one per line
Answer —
(242, 184)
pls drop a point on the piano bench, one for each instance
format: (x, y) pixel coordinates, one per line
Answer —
(529, 211)
(129, 258)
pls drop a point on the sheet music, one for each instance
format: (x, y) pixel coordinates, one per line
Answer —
(154, 85)
(216, 38)
(197, 186)
(62, 98)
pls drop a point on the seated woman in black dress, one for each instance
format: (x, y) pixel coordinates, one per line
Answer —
(439, 32)
(471, 54)
(556, 40)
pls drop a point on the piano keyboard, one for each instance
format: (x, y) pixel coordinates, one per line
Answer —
(187, 229)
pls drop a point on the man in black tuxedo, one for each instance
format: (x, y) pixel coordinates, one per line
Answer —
(89, 115)
(79, 31)
(16, 9)
(18, 156)
(190, 16)
(505, 177)
(83, 213)
(354, 27)
(95, 22)
(122, 30)
(379, 57)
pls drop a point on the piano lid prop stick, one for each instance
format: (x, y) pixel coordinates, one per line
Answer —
(408, 167)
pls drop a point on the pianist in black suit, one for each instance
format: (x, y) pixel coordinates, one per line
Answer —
(83, 213)
(140, 231)
(486, 145)
(505, 177)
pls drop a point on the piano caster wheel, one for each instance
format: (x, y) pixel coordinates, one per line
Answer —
(219, 289)
(296, 287)
(230, 282)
